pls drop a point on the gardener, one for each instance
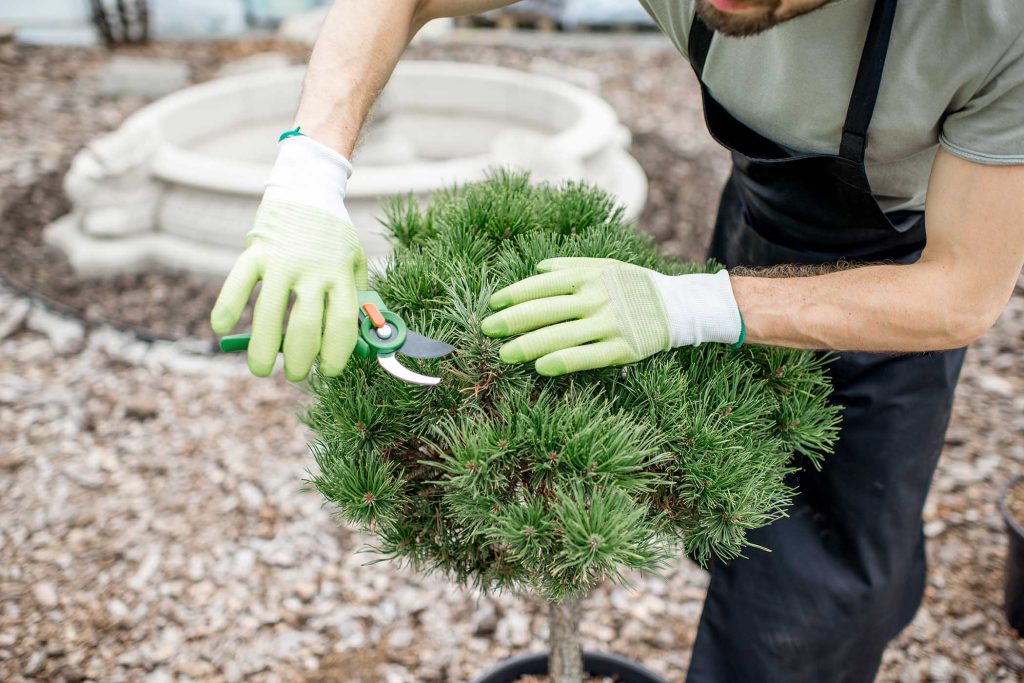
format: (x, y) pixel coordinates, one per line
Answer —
(848, 124)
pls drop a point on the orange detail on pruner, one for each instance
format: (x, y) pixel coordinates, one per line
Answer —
(373, 313)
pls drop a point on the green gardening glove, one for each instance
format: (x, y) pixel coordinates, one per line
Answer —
(586, 313)
(302, 242)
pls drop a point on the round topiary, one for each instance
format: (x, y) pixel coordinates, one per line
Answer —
(504, 479)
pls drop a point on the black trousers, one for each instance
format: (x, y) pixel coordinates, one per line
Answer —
(846, 571)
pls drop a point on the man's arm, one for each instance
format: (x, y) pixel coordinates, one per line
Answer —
(358, 47)
(947, 299)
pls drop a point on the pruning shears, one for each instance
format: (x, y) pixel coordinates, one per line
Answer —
(382, 333)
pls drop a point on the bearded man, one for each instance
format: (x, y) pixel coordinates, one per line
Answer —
(875, 210)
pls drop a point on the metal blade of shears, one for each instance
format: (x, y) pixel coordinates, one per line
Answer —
(396, 369)
(418, 346)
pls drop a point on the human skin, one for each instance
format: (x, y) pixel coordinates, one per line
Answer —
(947, 299)
(750, 17)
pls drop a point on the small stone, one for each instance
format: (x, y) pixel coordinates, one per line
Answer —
(278, 556)
(941, 670)
(252, 497)
(305, 590)
(66, 335)
(934, 528)
(513, 630)
(117, 610)
(910, 673)
(401, 638)
(145, 572)
(244, 561)
(232, 672)
(45, 594)
(35, 663)
(141, 408)
(485, 619)
(968, 623)
(996, 385)
(196, 669)
(86, 478)
(159, 676)
(12, 316)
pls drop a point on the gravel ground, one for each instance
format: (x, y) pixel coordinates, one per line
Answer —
(153, 525)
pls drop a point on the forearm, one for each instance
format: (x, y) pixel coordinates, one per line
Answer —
(357, 49)
(896, 308)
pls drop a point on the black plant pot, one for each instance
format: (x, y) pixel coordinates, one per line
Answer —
(594, 663)
(1013, 590)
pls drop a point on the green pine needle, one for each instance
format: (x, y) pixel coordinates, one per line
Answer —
(502, 479)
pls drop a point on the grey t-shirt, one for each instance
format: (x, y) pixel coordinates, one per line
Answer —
(954, 76)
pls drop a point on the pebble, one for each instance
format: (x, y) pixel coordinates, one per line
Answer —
(159, 676)
(941, 670)
(12, 315)
(513, 630)
(140, 407)
(485, 619)
(45, 594)
(35, 663)
(997, 385)
(147, 568)
(969, 623)
(252, 497)
(66, 335)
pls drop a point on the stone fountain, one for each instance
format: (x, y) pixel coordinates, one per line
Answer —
(177, 185)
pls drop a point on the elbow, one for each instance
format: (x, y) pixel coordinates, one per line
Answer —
(966, 326)
(422, 12)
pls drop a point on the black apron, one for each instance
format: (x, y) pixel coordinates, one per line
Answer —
(846, 569)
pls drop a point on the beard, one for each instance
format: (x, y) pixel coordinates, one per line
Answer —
(769, 13)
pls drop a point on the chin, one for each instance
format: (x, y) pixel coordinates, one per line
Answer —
(760, 17)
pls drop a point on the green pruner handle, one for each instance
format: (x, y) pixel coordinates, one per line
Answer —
(368, 342)
(233, 343)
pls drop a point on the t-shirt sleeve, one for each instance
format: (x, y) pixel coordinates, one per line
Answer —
(989, 129)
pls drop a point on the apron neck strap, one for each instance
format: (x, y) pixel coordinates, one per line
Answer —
(869, 78)
(865, 88)
(698, 44)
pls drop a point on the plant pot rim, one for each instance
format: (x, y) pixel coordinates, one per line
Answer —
(1017, 526)
(524, 665)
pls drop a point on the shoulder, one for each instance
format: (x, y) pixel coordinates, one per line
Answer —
(673, 17)
(989, 26)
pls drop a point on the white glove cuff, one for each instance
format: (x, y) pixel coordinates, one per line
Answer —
(307, 172)
(700, 308)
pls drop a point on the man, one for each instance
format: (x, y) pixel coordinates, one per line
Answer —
(852, 124)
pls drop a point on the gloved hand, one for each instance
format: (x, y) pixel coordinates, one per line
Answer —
(302, 242)
(586, 313)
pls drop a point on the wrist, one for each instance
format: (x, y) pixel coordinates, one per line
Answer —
(699, 308)
(307, 172)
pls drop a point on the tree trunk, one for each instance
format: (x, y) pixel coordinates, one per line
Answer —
(566, 662)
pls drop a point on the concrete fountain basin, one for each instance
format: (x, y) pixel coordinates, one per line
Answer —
(177, 185)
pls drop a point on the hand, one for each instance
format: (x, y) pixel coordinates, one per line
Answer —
(586, 313)
(302, 242)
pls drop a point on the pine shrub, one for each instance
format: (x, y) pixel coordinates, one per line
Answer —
(503, 479)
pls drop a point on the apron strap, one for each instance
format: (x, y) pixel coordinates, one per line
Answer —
(865, 87)
(698, 44)
(869, 78)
